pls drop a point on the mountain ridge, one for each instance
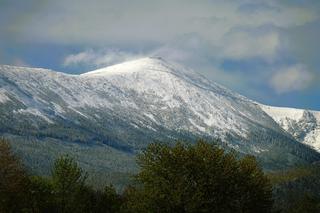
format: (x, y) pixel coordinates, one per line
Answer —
(302, 124)
(124, 110)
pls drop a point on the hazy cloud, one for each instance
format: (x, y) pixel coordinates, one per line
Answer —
(290, 79)
(90, 58)
(20, 63)
(98, 21)
(243, 45)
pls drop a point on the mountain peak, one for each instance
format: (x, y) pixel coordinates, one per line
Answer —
(129, 105)
(133, 66)
(147, 64)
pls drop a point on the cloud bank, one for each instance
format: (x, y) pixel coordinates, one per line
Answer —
(239, 43)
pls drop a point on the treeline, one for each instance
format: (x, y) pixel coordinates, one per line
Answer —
(64, 191)
(180, 178)
(297, 190)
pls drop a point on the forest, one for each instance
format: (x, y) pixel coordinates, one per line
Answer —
(200, 177)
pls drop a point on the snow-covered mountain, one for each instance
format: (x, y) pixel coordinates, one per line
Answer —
(124, 107)
(303, 125)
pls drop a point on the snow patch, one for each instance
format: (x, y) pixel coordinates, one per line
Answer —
(200, 128)
(77, 111)
(151, 117)
(313, 139)
(282, 113)
(34, 112)
(258, 149)
(57, 108)
(3, 96)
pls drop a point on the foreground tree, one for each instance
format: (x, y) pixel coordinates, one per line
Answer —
(42, 195)
(68, 181)
(66, 191)
(13, 181)
(199, 178)
(307, 203)
(107, 201)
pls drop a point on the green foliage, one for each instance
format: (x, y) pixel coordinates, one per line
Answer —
(284, 176)
(64, 191)
(42, 195)
(13, 180)
(255, 188)
(173, 178)
(68, 182)
(199, 178)
(298, 189)
(108, 200)
(134, 200)
(307, 204)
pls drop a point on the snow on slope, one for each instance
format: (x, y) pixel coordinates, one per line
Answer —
(129, 105)
(208, 105)
(304, 125)
(149, 92)
(3, 97)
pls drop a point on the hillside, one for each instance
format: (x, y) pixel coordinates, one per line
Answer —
(104, 117)
(303, 125)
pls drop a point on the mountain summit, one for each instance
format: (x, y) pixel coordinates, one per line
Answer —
(134, 66)
(121, 108)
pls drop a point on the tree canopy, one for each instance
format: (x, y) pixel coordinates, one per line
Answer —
(178, 178)
(198, 178)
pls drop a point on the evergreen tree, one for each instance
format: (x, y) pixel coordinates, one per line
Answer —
(108, 201)
(255, 187)
(68, 183)
(13, 181)
(42, 195)
(307, 204)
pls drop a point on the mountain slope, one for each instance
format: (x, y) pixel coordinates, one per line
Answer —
(124, 107)
(303, 125)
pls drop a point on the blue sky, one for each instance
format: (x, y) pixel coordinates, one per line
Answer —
(267, 50)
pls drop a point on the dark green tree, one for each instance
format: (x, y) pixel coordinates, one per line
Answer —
(198, 178)
(13, 181)
(307, 204)
(42, 195)
(107, 201)
(68, 183)
(255, 187)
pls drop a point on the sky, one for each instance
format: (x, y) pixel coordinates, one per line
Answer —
(267, 50)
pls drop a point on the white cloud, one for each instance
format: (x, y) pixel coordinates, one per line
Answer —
(243, 45)
(90, 58)
(100, 21)
(79, 58)
(236, 29)
(290, 79)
